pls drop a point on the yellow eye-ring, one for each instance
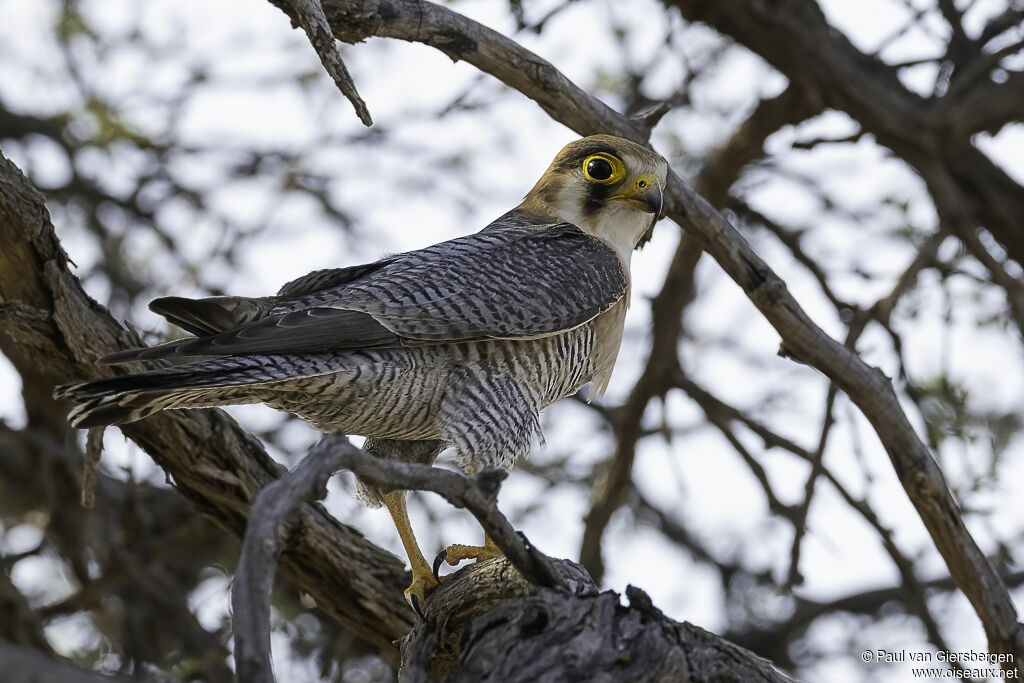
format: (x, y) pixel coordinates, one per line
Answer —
(603, 169)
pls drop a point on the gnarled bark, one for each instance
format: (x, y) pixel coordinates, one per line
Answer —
(486, 623)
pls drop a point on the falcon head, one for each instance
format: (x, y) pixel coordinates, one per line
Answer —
(606, 185)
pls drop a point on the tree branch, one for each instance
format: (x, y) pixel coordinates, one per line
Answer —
(310, 16)
(212, 461)
(493, 626)
(797, 40)
(720, 171)
(354, 21)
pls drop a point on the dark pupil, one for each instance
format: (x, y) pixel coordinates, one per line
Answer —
(599, 169)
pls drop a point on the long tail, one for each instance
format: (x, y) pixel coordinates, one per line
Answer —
(214, 382)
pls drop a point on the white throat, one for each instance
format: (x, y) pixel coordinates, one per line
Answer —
(618, 225)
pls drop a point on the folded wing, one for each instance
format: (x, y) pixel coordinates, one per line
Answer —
(513, 283)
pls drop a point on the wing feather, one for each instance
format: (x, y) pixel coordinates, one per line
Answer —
(507, 282)
(522, 283)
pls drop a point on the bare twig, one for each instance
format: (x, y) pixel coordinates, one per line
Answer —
(1010, 17)
(310, 16)
(720, 414)
(817, 468)
(1013, 287)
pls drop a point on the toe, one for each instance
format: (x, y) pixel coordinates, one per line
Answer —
(416, 594)
(414, 602)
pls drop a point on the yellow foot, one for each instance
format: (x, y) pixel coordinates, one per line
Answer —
(456, 553)
(418, 590)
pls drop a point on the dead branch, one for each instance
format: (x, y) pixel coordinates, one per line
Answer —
(257, 563)
(310, 16)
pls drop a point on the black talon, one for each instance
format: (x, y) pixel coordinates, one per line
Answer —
(442, 558)
(414, 600)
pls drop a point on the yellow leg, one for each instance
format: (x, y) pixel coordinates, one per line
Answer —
(457, 552)
(423, 580)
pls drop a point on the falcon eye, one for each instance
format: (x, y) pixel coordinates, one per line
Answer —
(603, 169)
(599, 169)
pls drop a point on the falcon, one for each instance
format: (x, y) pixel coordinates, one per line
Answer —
(458, 345)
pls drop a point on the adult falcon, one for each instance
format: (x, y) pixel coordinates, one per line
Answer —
(457, 345)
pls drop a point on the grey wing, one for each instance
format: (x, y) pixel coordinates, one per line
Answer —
(502, 284)
(516, 284)
(223, 324)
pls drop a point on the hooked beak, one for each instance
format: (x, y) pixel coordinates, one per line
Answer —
(646, 195)
(656, 202)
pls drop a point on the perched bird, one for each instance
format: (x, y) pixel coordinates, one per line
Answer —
(460, 344)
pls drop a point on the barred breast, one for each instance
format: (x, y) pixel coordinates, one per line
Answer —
(402, 393)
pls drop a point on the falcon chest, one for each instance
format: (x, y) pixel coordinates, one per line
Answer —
(621, 230)
(607, 339)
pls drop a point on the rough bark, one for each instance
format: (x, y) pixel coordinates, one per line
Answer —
(488, 624)
(220, 469)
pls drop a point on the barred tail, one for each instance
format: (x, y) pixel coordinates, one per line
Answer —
(119, 400)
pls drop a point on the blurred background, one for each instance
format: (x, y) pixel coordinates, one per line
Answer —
(197, 148)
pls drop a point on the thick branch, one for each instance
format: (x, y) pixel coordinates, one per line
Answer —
(492, 625)
(213, 462)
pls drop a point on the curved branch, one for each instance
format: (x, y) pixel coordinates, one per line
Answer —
(257, 563)
(462, 38)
